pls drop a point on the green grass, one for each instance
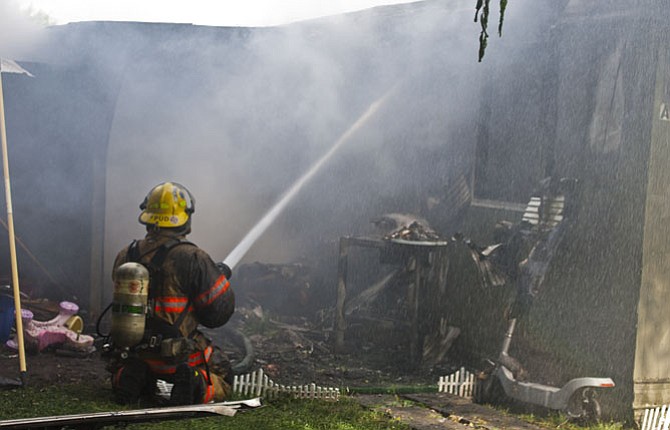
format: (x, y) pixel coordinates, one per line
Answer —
(344, 414)
(57, 400)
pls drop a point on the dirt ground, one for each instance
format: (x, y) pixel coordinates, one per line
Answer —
(297, 351)
(438, 411)
(291, 352)
(45, 369)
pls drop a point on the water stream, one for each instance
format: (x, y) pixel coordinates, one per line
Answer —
(257, 231)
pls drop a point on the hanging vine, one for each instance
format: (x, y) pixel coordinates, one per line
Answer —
(482, 14)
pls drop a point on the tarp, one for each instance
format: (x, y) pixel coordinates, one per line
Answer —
(10, 66)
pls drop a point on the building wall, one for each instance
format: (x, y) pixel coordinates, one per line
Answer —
(606, 104)
(593, 115)
(57, 129)
(652, 370)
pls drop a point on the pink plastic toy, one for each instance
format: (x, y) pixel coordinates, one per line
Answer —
(64, 329)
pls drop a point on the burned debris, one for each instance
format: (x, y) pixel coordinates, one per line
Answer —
(415, 232)
(284, 289)
(387, 320)
(522, 252)
(522, 260)
(384, 293)
(411, 266)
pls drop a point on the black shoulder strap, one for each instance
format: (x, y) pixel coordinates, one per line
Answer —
(159, 257)
(155, 265)
(133, 253)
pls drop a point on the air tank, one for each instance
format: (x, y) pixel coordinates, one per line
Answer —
(129, 304)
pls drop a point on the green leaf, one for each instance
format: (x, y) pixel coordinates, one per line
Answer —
(503, 6)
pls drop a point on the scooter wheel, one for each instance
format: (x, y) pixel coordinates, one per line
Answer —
(489, 390)
(584, 406)
(593, 411)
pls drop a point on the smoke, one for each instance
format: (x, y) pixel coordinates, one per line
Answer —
(249, 240)
(20, 30)
(237, 115)
(238, 119)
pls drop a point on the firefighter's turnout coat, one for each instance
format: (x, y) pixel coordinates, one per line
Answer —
(186, 288)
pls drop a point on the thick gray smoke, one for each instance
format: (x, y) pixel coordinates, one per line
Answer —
(239, 120)
(239, 114)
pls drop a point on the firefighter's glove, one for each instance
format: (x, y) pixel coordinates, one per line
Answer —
(225, 269)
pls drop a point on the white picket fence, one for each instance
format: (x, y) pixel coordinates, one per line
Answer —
(460, 383)
(257, 384)
(656, 418)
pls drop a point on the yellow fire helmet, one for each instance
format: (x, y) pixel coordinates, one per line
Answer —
(167, 205)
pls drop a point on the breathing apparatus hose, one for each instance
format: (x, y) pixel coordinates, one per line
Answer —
(98, 322)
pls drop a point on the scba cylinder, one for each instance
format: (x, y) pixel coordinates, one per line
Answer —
(129, 305)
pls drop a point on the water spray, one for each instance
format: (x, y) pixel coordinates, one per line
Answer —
(257, 231)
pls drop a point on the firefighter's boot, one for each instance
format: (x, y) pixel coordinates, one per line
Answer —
(189, 386)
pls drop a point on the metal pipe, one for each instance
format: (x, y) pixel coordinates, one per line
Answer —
(340, 323)
(508, 337)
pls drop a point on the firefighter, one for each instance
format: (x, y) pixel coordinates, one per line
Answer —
(185, 288)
